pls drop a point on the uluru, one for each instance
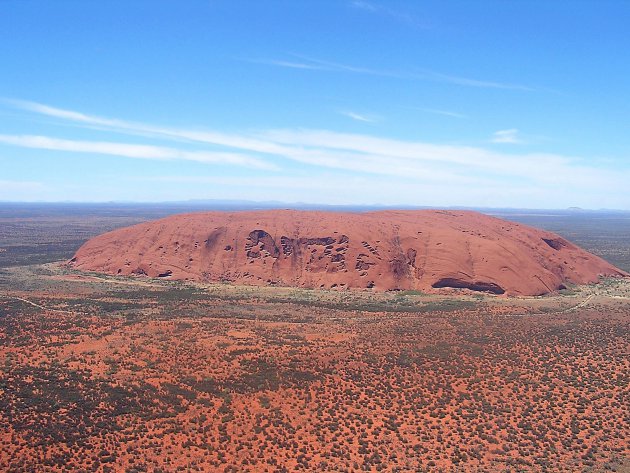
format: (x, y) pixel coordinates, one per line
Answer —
(424, 250)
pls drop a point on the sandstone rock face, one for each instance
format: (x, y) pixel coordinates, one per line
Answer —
(390, 250)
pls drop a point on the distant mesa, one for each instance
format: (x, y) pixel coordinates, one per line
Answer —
(427, 250)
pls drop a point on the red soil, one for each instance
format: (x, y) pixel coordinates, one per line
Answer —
(424, 250)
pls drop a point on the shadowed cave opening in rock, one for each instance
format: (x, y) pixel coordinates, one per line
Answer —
(556, 244)
(479, 286)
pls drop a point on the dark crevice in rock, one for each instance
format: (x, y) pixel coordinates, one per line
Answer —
(473, 286)
(362, 265)
(288, 245)
(337, 258)
(411, 257)
(266, 241)
(325, 241)
(555, 243)
(369, 247)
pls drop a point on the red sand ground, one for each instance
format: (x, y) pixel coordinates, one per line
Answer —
(153, 376)
(423, 250)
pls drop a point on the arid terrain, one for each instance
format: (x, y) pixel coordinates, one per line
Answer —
(117, 373)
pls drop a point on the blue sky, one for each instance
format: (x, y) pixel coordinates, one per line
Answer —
(429, 103)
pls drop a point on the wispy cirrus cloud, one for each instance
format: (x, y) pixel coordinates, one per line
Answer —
(70, 115)
(288, 64)
(395, 14)
(426, 164)
(324, 65)
(510, 136)
(306, 62)
(468, 82)
(364, 5)
(361, 117)
(263, 143)
(445, 113)
(148, 130)
(129, 150)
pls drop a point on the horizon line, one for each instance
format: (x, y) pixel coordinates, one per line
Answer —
(282, 204)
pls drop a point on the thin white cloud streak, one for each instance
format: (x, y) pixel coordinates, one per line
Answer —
(364, 6)
(143, 129)
(397, 152)
(506, 136)
(465, 163)
(339, 67)
(131, 150)
(397, 15)
(289, 64)
(422, 74)
(71, 115)
(427, 163)
(465, 81)
(445, 113)
(359, 116)
(349, 160)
